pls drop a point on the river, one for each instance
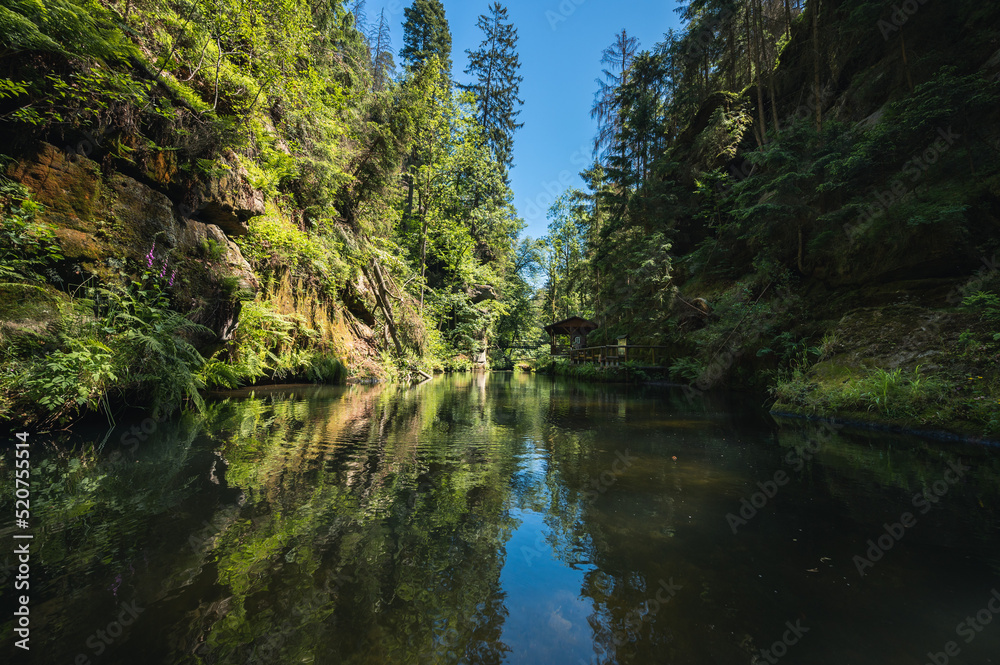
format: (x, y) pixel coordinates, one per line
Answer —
(506, 518)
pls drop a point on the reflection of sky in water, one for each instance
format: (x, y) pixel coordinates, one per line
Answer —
(547, 620)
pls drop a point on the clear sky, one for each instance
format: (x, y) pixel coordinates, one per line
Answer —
(560, 44)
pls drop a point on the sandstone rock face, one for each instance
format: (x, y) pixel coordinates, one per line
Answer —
(69, 187)
(228, 201)
(99, 221)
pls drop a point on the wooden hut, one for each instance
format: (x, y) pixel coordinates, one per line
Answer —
(569, 334)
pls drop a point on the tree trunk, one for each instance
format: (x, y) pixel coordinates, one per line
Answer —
(408, 210)
(770, 77)
(906, 63)
(746, 22)
(382, 298)
(758, 61)
(732, 54)
(819, 103)
(801, 253)
(423, 258)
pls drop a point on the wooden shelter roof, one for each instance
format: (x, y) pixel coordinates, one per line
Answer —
(570, 325)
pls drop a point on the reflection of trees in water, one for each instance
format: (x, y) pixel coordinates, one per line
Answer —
(618, 522)
(370, 525)
(378, 530)
(860, 468)
(94, 548)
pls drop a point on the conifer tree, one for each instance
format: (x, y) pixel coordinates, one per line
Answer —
(495, 64)
(618, 57)
(426, 33)
(383, 64)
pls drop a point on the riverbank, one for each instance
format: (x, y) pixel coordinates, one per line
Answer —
(930, 404)
(872, 425)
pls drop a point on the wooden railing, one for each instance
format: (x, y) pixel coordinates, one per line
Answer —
(610, 356)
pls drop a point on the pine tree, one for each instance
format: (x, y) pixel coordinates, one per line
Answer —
(426, 33)
(495, 65)
(383, 64)
(619, 56)
(357, 10)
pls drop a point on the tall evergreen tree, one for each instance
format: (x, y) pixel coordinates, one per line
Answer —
(383, 64)
(426, 33)
(618, 57)
(357, 10)
(640, 103)
(495, 65)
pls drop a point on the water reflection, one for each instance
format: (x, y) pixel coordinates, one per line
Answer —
(503, 519)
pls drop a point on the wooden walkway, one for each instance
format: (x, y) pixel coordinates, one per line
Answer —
(612, 356)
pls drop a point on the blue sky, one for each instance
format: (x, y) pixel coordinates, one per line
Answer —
(560, 44)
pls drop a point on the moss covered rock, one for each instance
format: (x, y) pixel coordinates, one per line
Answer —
(104, 222)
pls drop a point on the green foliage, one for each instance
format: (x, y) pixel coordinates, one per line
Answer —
(26, 246)
(495, 64)
(274, 246)
(296, 101)
(687, 369)
(325, 369)
(789, 351)
(426, 35)
(893, 394)
(270, 346)
(987, 305)
(79, 28)
(219, 374)
(72, 379)
(122, 339)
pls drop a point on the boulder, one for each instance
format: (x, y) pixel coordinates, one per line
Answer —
(483, 292)
(229, 201)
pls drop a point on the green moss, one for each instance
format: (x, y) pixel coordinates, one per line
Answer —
(834, 371)
(894, 397)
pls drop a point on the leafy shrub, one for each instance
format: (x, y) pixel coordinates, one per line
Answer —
(325, 369)
(75, 378)
(987, 305)
(26, 246)
(687, 368)
(124, 338)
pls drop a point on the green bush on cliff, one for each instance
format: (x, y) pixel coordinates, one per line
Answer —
(121, 340)
(26, 246)
(272, 346)
(152, 343)
(84, 28)
(987, 305)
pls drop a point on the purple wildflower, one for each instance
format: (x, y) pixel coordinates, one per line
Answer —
(149, 257)
(172, 275)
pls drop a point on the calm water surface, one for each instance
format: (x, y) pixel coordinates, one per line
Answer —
(506, 519)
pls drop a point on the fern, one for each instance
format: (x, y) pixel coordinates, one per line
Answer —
(217, 374)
